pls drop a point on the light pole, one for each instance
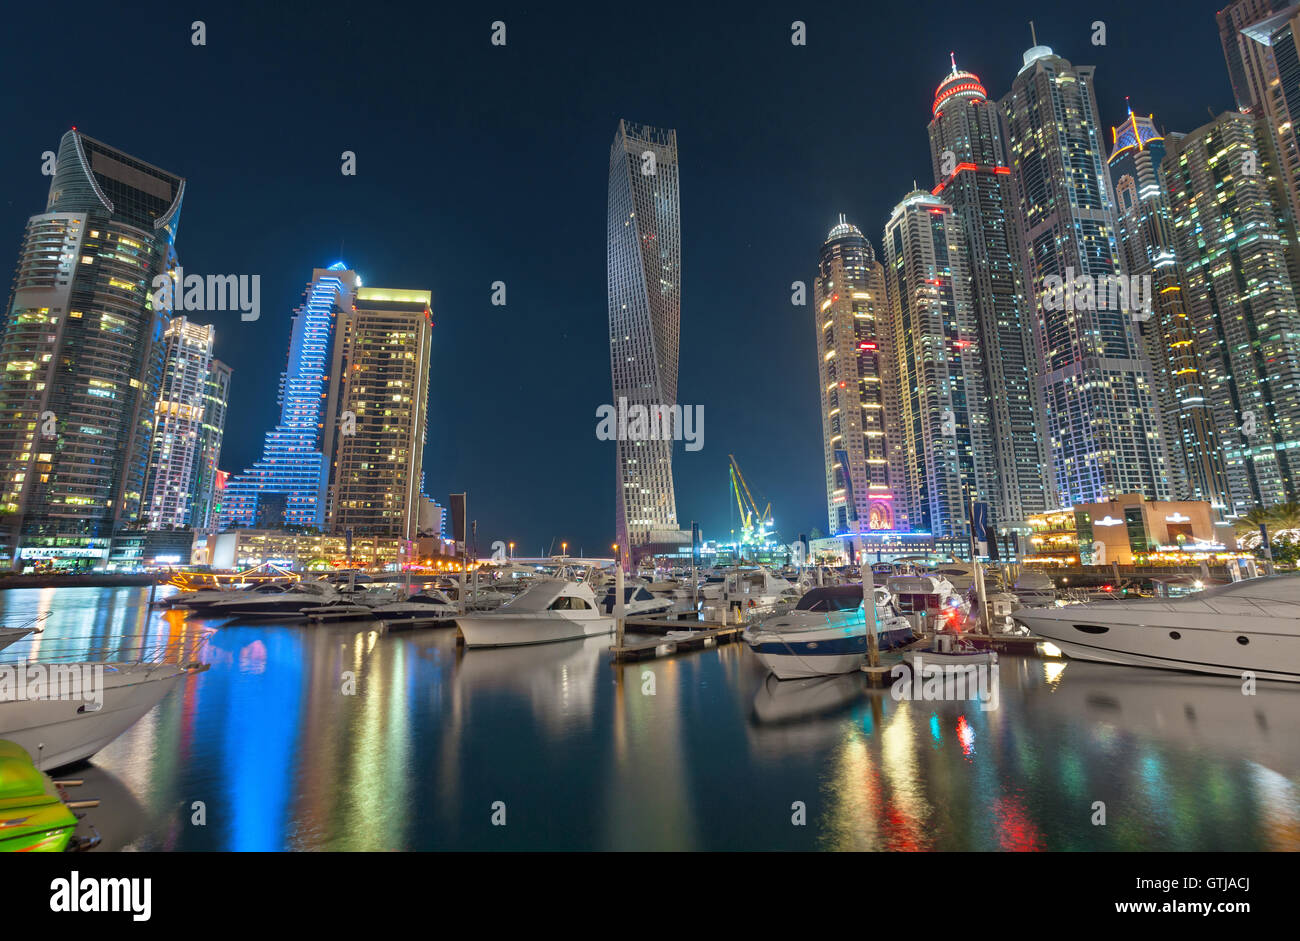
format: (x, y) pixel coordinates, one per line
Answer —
(512, 550)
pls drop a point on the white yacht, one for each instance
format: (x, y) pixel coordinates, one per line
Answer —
(201, 600)
(1034, 589)
(1247, 625)
(548, 610)
(638, 600)
(825, 633)
(61, 732)
(932, 595)
(287, 604)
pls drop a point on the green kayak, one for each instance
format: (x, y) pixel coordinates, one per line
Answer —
(33, 816)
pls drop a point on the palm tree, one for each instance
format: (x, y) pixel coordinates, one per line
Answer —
(1285, 520)
(1247, 526)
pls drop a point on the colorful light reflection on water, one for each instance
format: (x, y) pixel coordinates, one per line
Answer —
(277, 755)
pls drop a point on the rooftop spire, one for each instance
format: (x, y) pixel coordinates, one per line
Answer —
(1032, 33)
(952, 57)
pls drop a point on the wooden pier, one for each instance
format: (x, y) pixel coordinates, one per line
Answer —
(704, 634)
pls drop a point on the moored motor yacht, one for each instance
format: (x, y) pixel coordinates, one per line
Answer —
(931, 595)
(1251, 625)
(58, 732)
(287, 604)
(204, 598)
(825, 633)
(1034, 589)
(638, 600)
(550, 609)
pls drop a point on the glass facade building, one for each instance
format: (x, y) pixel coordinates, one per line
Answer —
(289, 482)
(943, 405)
(972, 175)
(81, 355)
(1146, 237)
(1095, 384)
(189, 421)
(381, 366)
(859, 411)
(643, 281)
(1232, 238)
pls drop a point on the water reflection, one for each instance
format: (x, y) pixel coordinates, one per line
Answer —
(343, 738)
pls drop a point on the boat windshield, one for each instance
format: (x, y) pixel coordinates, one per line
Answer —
(840, 598)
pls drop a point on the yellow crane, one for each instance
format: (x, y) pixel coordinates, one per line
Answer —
(752, 522)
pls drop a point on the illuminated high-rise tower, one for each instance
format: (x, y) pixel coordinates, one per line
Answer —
(855, 345)
(644, 282)
(1100, 415)
(83, 350)
(294, 470)
(189, 421)
(971, 174)
(1232, 238)
(1147, 239)
(381, 373)
(943, 409)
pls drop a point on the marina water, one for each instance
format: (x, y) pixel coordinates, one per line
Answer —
(266, 750)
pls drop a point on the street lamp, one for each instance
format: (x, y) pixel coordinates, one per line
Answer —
(564, 548)
(512, 550)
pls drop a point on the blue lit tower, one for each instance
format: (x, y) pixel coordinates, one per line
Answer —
(293, 468)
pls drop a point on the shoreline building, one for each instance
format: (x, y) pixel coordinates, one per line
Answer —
(82, 350)
(1095, 385)
(288, 485)
(943, 408)
(1232, 238)
(972, 175)
(189, 421)
(643, 282)
(855, 346)
(1146, 235)
(381, 371)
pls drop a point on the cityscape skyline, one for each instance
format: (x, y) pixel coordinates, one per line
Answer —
(450, 470)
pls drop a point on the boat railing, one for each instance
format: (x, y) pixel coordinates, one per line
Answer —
(125, 651)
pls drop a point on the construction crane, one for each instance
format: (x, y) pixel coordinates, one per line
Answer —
(754, 526)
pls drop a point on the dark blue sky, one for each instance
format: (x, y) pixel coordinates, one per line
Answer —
(478, 163)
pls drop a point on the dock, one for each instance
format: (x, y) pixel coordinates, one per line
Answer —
(704, 634)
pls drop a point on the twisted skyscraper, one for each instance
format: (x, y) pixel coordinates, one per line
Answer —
(644, 278)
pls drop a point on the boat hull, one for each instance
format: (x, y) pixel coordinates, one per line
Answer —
(57, 733)
(1188, 642)
(508, 631)
(802, 654)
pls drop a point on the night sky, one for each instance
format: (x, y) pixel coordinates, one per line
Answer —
(477, 163)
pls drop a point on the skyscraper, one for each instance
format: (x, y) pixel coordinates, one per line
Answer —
(83, 352)
(381, 367)
(855, 345)
(1247, 29)
(1095, 383)
(644, 280)
(972, 175)
(293, 471)
(1146, 237)
(1232, 235)
(189, 421)
(944, 412)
